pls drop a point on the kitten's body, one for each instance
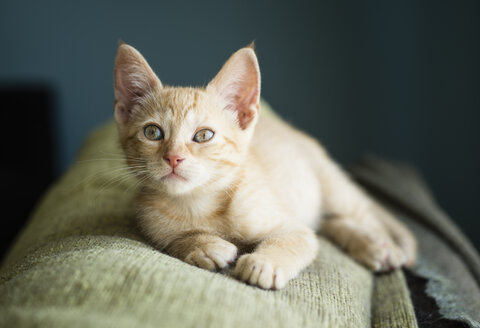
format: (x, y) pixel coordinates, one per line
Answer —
(269, 186)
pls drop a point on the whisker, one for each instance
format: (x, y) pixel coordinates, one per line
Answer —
(106, 171)
(124, 177)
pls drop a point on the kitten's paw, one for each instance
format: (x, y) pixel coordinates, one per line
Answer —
(213, 256)
(259, 270)
(377, 253)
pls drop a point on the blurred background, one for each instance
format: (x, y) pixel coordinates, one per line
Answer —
(400, 79)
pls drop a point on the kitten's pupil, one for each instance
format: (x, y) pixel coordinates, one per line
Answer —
(153, 132)
(203, 135)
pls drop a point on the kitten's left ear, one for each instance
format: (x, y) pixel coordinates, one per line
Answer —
(238, 84)
(133, 78)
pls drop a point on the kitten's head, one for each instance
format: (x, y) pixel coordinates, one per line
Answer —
(179, 139)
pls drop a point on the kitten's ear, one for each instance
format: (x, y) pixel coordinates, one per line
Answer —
(238, 84)
(133, 78)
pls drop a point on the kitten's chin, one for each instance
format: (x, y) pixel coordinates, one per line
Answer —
(174, 184)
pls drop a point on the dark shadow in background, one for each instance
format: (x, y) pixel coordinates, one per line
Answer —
(27, 147)
(400, 78)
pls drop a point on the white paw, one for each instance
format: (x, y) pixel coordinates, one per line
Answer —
(378, 254)
(259, 270)
(213, 256)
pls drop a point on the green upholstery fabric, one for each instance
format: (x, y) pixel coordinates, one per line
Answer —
(82, 262)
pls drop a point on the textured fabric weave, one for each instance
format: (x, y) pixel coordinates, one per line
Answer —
(82, 262)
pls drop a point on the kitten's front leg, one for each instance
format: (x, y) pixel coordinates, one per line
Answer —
(203, 250)
(278, 258)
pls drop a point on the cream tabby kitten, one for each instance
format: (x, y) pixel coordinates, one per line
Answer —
(217, 177)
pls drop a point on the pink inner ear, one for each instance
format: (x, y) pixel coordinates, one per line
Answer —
(125, 96)
(122, 113)
(131, 83)
(248, 108)
(133, 78)
(122, 93)
(238, 83)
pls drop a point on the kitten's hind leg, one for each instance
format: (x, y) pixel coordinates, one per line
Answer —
(359, 225)
(366, 242)
(401, 235)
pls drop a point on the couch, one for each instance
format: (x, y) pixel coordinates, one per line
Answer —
(81, 261)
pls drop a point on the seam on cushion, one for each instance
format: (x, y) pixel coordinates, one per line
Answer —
(391, 302)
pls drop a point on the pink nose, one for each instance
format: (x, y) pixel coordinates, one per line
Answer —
(173, 160)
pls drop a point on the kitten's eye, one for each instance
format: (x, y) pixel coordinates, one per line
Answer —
(153, 132)
(203, 135)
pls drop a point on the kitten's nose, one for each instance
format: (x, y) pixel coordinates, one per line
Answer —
(173, 160)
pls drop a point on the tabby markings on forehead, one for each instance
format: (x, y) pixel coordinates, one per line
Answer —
(195, 99)
(169, 115)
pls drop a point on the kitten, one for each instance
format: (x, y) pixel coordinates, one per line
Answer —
(217, 177)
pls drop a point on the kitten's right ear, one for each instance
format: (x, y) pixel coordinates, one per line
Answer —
(133, 78)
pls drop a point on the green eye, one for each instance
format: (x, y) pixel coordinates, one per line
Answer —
(203, 135)
(153, 132)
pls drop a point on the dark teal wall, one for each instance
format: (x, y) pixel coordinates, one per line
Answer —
(396, 78)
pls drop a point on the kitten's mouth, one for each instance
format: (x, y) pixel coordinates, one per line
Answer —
(173, 176)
